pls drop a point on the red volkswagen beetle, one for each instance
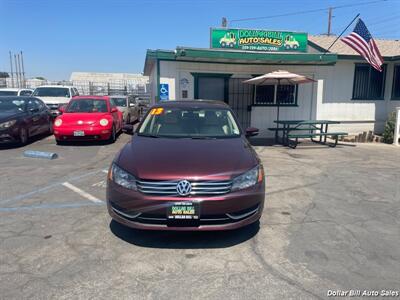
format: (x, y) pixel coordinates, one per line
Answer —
(88, 118)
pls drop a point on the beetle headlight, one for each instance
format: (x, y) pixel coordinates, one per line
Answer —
(103, 122)
(58, 122)
(122, 177)
(7, 124)
(248, 179)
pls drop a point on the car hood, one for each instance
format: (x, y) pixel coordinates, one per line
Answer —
(8, 115)
(193, 159)
(54, 100)
(82, 118)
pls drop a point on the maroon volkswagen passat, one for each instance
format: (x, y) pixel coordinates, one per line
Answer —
(189, 166)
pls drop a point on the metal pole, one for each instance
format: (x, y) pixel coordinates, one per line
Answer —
(16, 71)
(19, 71)
(329, 20)
(12, 73)
(326, 51)
(23, 70)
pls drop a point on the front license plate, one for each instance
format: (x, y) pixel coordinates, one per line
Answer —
(183, 211)
(79, 133)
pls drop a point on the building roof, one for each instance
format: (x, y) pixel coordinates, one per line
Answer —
(105, 77)
(236, 56)
(388, 48)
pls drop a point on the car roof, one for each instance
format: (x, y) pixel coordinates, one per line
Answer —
(55, 86)
(19, 98)
(192, 104)
(14, 89)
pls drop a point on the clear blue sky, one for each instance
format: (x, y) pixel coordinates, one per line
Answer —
(62, 36)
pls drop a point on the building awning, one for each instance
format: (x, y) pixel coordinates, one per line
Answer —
(236, 56)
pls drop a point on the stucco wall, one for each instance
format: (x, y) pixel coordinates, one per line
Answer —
(334, 103)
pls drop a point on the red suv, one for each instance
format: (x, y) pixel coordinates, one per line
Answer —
(189, 166)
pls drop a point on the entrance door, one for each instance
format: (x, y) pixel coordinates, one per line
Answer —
(240, 100)
(211, 88)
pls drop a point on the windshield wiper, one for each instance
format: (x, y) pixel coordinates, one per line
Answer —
(149, 135)
(202, 138)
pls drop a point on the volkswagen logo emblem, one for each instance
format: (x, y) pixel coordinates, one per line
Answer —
(183, 188)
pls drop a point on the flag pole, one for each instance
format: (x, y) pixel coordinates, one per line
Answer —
(326, 51)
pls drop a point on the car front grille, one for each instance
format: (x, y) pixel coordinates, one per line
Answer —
(199, 188)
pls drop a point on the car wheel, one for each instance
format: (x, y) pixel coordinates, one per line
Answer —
(60, 143)
(23, 136)
(128, 119)
(113, 136)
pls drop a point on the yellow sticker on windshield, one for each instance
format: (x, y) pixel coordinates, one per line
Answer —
(157, 111)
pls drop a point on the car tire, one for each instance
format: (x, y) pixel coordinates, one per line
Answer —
(23, 136)
(50, 130)
(128, 119)
(60, 143)
(113, 136)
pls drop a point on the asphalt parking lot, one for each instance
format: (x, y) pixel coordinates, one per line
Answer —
(331, 222)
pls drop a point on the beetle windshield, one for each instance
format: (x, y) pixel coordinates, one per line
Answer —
(190, 123)
(87, 106)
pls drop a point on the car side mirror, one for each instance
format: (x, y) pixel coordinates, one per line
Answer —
(251, 131)
(61, 109)
(114, 110)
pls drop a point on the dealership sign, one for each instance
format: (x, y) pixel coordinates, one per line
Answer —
(258, 40)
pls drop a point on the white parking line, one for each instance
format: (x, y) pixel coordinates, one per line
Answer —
(105, 171)
(82, 193)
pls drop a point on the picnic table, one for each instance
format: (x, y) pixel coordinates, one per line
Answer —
(292, 130)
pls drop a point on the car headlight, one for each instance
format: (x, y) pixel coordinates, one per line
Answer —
(58, 122)
(248, 179)
(7, 124)
(103, 122)
(122, 177)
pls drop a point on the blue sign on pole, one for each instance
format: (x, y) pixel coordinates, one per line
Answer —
(164, 91)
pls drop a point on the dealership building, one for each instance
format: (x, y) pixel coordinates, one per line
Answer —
(346, 88)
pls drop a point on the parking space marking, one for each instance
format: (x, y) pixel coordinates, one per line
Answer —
(105, 171)
(49, 206)
(46, 188)
(81, 192)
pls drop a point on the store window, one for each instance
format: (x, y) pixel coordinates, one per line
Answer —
(285, 94)
(396, 83)
(369, 84)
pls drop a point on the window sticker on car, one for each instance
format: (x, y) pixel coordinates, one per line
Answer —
(157, 111)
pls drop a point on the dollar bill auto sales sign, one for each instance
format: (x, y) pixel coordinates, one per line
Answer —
(258, 40)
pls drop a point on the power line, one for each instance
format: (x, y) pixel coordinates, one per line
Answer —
(305, 11)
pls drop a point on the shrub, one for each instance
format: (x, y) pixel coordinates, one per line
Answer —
(388, 132)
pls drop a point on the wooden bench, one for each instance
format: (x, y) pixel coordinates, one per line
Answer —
(297, 136)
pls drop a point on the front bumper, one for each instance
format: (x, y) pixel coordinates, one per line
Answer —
(91, 133)
(9, 135)
(142, 211)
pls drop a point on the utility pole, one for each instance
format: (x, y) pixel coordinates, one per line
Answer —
(12, 73)
(19, 72)
(329, 20)
(23, 71)
(16, 71)
(224, 22)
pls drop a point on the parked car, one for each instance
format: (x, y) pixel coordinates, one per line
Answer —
(88, 118)
(129, 108)
(15, 92)
(55, 96)
(189, 166)
(23, 117)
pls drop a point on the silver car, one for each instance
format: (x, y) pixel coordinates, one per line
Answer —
(129, 108)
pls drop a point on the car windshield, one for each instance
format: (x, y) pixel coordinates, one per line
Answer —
(87, 106)
(190, 123)
(51, 92)
(12, 105)
(8, 93)
(119, 102)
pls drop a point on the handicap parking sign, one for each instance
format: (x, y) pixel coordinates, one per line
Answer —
(164, 91)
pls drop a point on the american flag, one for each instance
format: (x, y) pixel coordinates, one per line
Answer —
(362, 42)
